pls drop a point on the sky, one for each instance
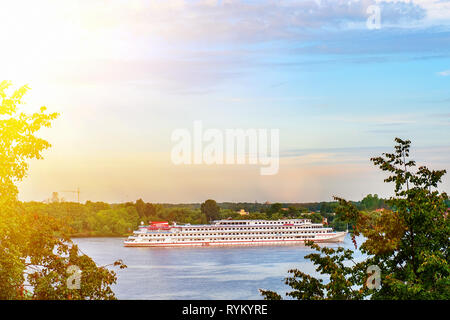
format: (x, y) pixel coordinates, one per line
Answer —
(125, 74)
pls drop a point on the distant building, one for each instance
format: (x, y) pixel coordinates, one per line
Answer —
(242, 212)
(285, 209)
(55, 197)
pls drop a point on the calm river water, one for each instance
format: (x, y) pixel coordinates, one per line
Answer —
(199, 273)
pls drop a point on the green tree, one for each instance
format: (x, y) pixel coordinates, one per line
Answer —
(410, 243)
(149, 210)
(140, 207)
(293, 212)
(371, 202)
(328, 207)
(35, 251)
(315, 217)
(97, 206)
(274, 208)
(210, 209)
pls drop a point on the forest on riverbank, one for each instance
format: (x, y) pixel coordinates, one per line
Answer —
(100, 219)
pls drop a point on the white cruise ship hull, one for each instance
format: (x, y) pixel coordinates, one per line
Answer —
(328, 238)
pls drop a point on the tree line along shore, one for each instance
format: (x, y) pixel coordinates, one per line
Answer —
(100, 219)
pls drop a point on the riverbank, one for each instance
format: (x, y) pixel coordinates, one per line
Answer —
(90, 235)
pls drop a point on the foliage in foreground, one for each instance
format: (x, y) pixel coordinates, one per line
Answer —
(37, 258)
(409, 244)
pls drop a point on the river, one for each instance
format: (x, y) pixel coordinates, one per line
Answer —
(234, 273)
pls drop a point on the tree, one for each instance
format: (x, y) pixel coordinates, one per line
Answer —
(409, 244)
(35, 251)
(315, 217)
(372, 202)
(149, 210)
(210, 209)
(328, 207)
(293, 212)
(274, 208)
(140, 207)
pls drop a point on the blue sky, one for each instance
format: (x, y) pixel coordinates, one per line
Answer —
(125, 74)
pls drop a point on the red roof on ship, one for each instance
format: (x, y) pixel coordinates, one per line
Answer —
(158, 225)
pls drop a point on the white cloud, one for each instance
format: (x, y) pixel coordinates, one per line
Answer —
(242, 21)
(444, 73)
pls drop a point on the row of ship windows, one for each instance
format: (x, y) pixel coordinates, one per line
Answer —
(264, 238)
(264, 222)
(252, 228)
(234, 239)
(218, 234)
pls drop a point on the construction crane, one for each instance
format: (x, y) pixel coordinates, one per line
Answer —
(76, 191)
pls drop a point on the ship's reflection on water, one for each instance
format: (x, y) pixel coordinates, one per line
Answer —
(201, 273)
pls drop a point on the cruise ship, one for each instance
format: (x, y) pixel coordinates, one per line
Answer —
(231, 233)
